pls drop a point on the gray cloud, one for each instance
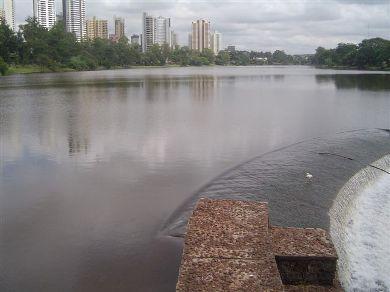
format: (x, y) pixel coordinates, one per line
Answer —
(297, 26)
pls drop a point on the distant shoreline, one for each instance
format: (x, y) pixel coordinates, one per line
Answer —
(30, 69)
(352, 68)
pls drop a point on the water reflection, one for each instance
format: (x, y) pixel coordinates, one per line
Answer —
(93, 163)
(372, 82)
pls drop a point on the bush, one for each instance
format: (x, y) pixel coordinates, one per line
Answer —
(82, 63)
(3, 67)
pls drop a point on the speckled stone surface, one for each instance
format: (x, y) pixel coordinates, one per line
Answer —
(228, 229)
(289, 241)
(213, 274)
(229, 246)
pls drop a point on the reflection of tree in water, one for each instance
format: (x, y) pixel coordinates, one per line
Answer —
(373, 82)
(278, 77)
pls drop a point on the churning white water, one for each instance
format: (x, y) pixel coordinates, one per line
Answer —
(360, 229)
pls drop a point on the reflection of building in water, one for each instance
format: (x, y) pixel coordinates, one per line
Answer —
(156, 88)
(373, 82)
(279, 77)
(77, 121)
(203, 86)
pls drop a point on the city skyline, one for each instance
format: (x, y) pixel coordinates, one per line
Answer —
(295, 26)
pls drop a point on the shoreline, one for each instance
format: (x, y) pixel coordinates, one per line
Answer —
(33, 69)
(342, 68)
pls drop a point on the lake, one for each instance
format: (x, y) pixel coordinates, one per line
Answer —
(93, 164)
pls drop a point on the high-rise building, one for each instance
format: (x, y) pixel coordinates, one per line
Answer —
(74, 17)
(174, 39)
(7, 12)
(119, 27)
(216, 42)
(45, 12)
(163, 31)
(97, 28)
(155, 31)
(190, 41)
(231, 48)
(135, 39)
(200, 35)
(148, 32)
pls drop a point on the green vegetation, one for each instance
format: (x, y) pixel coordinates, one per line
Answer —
(372, 54)
(36, 49)
(3, 67)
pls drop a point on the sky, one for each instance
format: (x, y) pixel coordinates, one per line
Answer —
(296, 26)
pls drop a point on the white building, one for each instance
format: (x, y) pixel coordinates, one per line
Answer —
(155, 31)
(163, 31)
(74, 17)
(7, 12)
(44, 12)
(216, 42)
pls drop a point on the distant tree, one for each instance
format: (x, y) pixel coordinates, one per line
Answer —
(208, 55)
(373, 53)
(345, 54)
(280, 57)
(10, 44)
(63, 45)
(239, 58)
(3, 67)
(154, 56)
(223, 58)
(181, 56)
(322, 57)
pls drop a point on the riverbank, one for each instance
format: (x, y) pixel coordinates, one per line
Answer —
(353, 68)
(29, 69)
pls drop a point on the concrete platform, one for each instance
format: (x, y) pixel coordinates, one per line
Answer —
(229, 246)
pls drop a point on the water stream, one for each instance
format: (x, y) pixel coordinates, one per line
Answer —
(359, 228)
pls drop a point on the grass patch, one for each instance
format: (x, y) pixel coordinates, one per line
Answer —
(28, 69)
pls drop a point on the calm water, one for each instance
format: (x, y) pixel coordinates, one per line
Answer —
(92, 164)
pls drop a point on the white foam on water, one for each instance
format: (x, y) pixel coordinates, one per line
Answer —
(360, 229)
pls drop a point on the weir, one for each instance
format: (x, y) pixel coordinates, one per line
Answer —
(230, 246)
(359, 221)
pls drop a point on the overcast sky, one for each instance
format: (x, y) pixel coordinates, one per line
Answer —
(297, 26)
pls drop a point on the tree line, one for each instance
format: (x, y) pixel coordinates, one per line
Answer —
(58, 50)
(369, 54)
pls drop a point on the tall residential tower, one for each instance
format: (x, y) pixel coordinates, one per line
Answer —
(163, 31)
(44, 12)
(74, 17)
(97, 28)
(119, 27)
(216, 42)
(148, 31)
(7, 12)
(200, 36)
(155, 31)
